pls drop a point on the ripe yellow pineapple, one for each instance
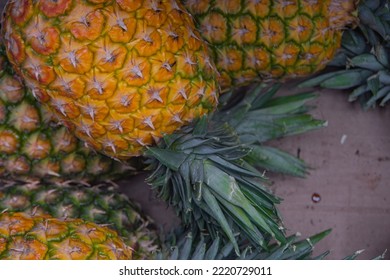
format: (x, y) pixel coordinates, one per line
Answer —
(40, 237)
(261, 39)
(34, 144)
(101, 204)
(120, 73)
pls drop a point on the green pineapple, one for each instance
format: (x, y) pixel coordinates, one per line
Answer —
(362, 67)
(256, 40)
(100, 204)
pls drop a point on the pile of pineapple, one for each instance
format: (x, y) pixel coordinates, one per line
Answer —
(92, 91)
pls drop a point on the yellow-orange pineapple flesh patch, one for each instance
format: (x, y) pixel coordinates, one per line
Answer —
(254, 40)
(38, 237)
(121, 74)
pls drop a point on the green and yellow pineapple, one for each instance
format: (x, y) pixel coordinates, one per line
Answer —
(120, 74)
(40, 237)
(68, 158)
(34, 145)
(101, 204)
(254, 40)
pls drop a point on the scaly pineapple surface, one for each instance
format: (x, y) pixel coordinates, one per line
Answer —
(262, 39)
(40, 237)
(102, 204)
(34, 144)
(121, 74)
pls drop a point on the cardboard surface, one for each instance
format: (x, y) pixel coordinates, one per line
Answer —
(350, 162)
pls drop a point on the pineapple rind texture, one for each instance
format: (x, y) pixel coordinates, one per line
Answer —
(255, 40)
(362, 65)
(101, 204)
(33, 144)
(40, 237)
(120, 74)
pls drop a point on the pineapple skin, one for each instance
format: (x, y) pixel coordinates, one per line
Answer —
(42, 237)
(120, 74)
(33, 144)
(254, 40)
(101, 204)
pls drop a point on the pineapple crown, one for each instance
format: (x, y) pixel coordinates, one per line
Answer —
(182, 245)
(258, 116)
(201, 171)
(205, 170)
(185, 245)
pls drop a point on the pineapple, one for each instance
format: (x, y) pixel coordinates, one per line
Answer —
(67, 157)
(34, 144)
(40, 237)
(269, 39)
(100, 204)
(362, 67)
(120, 74)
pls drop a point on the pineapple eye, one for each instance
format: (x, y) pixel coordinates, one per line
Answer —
(85, 21)
(117, 125)
(121, 24)
(91, 111)
(148, 121)
(173, 35)
(167, 66)
(155, 94)
(136, 70)
(183, 93)
(109, 144)
(41, 38)
(86, 129)
(125, 100)
(73, 58)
